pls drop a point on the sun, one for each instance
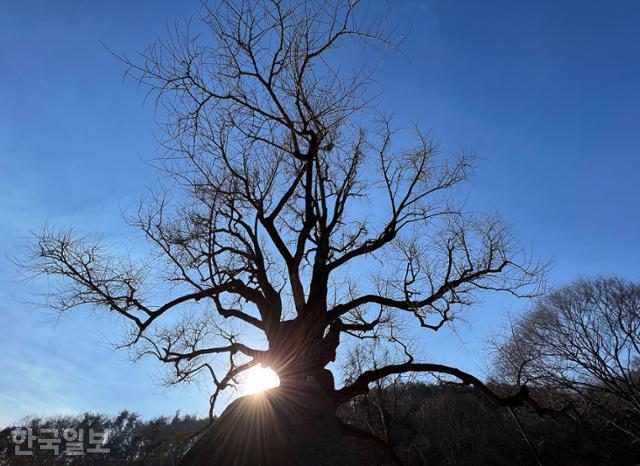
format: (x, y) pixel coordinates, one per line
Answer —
(258, 379)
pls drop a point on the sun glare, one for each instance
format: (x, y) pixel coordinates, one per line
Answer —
(259, 379)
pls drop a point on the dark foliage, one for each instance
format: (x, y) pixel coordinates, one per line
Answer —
(426, 424)
(160, 441)
(451, 425)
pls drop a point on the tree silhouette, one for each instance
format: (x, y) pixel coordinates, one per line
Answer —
(291, 219)
(582, 339)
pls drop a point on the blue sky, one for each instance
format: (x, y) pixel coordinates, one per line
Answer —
(546, 92)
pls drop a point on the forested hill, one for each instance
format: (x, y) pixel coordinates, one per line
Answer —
(427, 424)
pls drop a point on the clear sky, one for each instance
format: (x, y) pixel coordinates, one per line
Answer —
(547, 92)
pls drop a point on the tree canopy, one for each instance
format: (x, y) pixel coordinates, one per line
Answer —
(582, 339)
(292, 217)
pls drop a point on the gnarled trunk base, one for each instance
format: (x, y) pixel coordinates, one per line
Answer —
(294, 424)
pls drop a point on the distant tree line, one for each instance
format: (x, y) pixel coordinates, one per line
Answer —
(130, 439)
(445, 424)
(434, 424)
(582, 340)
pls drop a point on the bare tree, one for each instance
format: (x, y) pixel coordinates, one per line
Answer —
(290, 221)
(582, 339)
(379, 409)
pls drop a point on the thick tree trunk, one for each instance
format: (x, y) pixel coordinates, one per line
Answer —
(298, 353)
(290, 425)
